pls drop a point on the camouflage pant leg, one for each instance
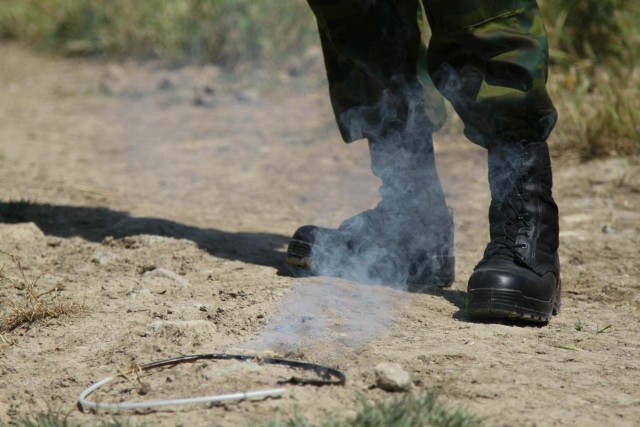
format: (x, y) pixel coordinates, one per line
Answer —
(489, 58)
(375, 64)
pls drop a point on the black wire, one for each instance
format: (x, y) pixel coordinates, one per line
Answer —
(329, 376)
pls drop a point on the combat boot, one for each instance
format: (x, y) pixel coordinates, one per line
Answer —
(519, 275)
(406, 239)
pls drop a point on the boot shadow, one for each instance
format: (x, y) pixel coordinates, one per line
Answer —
(96, 223)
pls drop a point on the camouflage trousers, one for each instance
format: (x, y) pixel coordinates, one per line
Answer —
(489, 58)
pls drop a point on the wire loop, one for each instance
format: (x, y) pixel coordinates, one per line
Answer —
(326, 376)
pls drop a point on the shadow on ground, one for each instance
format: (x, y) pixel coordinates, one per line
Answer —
(97, 223)
(266, 249)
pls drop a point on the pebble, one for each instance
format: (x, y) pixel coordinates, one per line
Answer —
(103, 257)
(607, 229)
(391, 377)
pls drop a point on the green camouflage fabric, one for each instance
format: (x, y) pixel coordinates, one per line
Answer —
(488, 58)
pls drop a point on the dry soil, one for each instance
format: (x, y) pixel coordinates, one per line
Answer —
(161, 200)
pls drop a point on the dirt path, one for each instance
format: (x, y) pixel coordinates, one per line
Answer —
(162, 200)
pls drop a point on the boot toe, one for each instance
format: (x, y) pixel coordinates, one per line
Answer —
(504, 289)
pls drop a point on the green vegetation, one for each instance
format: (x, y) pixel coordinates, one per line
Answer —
(593, 29)
(595, 80)
(53, 418)
(595, 49)
(580, 326)
(408, 410)
(55, 421)
(425, 410)
(223, 31)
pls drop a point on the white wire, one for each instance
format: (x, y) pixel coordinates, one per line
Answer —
(84, 403)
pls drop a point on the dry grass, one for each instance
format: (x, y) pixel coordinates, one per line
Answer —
(595, 80)
(32, 306)
(598, 106)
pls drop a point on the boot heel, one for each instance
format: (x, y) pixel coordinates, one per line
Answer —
(298, 253)
(446, 274)
(438, 270)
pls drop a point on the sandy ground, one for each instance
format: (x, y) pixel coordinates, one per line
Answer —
(161, 201)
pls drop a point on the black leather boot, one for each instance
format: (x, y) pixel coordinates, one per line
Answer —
(406, 239)
(519, 275)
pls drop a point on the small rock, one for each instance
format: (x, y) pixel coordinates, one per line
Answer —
(54, 242)
(247, 96)
(141, 269)
(607, 229)
(202, 306)
(391, 377)
(204, 97)
(103, 257)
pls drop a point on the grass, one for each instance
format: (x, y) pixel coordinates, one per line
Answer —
(179, 31)
(33, 306)
(57, 419)
(405, 411)
(599, 108)
(595, 76)
(408, 410)
(580, 326)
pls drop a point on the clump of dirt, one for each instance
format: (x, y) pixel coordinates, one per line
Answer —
(163, 201)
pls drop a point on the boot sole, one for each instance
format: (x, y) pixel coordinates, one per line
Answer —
(299, 254)
(510, 304)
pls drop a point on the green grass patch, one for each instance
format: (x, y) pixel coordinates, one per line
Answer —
(53, 418)
(425, 410)
(405, 411)
(595, 78)
(179, 31)
(408, 410)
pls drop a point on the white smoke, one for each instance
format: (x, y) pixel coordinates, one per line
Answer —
(329, 316)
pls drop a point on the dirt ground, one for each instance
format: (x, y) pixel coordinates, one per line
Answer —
(161, 200)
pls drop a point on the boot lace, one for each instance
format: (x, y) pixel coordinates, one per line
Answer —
(516, 222)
